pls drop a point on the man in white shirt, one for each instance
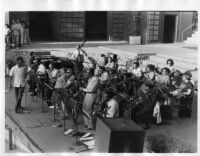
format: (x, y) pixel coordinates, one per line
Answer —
(19, 72)
(41, 68)
(136, 70)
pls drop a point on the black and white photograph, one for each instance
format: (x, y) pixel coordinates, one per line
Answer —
(102, 81)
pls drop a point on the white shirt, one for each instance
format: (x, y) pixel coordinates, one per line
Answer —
(137, 72)
(19, 75)
(113, 109)
(171, 68)
(41, 69)
(104, 76)
(54, 73)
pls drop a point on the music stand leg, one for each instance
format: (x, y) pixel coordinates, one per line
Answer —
(54, 112)
(64, 109)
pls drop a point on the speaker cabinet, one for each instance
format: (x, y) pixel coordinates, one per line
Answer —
(118, 135)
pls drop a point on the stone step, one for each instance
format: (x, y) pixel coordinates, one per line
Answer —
(193, 39)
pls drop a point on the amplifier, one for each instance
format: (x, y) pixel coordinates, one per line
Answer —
(118, 135)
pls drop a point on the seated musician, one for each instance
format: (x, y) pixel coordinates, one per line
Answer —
(52, 74)
(60, 82)
(110, 63)
(69, 80)
(31, 59)
(164, 79)
(41, 70)
(42, 76)
(112, 106)
(103, 60)
(185, 88)
(150, 73)
(170, 65)
(135, 70)
(90, 96)
(142, 112)
(61, 79)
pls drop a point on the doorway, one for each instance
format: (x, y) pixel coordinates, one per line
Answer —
(96, 25)
(169, 28)
(41, 26)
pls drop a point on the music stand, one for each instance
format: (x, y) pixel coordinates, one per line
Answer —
(77, 133)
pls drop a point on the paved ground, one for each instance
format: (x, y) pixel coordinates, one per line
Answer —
(52, 139)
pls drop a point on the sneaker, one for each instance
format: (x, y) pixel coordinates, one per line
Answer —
(51, 106)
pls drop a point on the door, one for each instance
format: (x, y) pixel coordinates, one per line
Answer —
(169, 28)
(95, 25)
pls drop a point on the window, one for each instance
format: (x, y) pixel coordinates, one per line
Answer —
(153, 25)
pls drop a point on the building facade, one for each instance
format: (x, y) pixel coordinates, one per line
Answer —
(152, 26)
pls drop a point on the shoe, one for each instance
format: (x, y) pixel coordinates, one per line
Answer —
(22, 108)
(19, 111)
(51, 106)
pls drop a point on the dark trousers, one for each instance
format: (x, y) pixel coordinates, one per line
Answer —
(18, 96)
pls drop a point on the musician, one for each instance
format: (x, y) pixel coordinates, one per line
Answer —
(42, 77)
(41, 70)
(52, 74)
(170, 65)
(185, 88)
(19, 72)
(110, 63)
(61, 79)
(104, 75)
(31, 59)
(69, 80)
(144, 110)
(112, 106)
(150, 73)
(136, 70)
(90, 96)
(164, 79)
(103, 60)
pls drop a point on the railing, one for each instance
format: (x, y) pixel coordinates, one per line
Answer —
(186, 30)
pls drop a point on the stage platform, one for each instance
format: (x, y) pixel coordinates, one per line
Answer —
(37, 133)
(48, 139)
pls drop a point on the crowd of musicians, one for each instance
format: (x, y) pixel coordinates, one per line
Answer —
(103, 89)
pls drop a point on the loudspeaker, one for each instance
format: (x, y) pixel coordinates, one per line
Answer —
(118, 135)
